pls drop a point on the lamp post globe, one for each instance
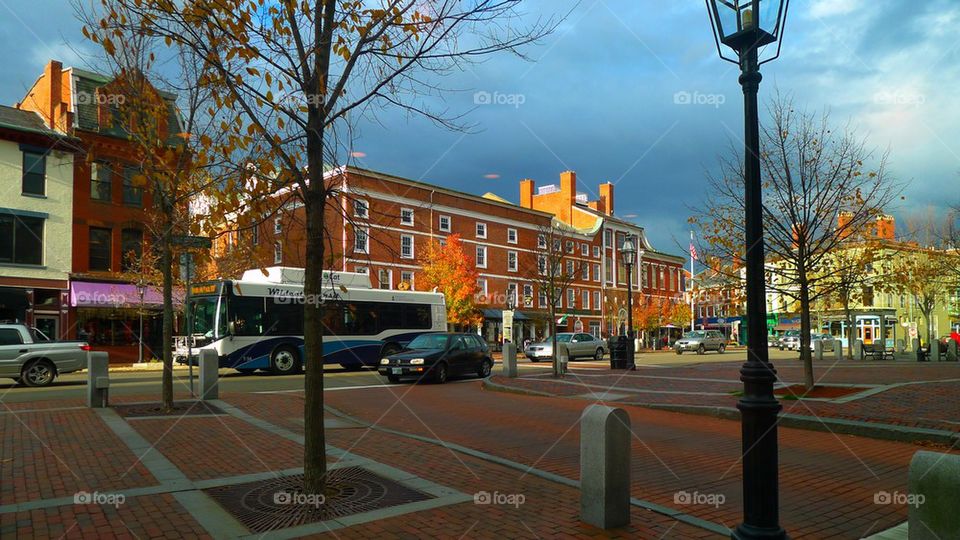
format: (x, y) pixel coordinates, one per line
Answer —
(746, 27)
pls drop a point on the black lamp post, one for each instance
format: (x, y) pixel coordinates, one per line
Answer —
(745, 26)
(629, 253)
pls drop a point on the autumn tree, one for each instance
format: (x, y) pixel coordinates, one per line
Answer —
(812, 174)
(447, 268)
(847, 273)
(295, 74)
(680, 315)
(553, 267)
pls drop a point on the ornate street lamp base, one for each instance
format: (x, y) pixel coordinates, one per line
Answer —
(749, 532)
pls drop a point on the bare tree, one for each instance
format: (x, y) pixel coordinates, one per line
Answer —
(818, 190)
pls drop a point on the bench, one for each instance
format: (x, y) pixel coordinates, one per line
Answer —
(877, 352)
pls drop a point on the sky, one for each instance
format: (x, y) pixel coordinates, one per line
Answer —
(633, 92)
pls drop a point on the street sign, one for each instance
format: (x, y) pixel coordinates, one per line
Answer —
(184, 240)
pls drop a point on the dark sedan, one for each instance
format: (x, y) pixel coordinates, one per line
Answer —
(439, 356)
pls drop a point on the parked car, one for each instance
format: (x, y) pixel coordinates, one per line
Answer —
(792, 342)
(701, 341)
(772, 341)
(439, 356)
(829, 342)
(579, 345)
(28, 356)
(788, 336)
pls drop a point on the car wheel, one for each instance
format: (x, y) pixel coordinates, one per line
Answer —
(701, 349)
(598, 355)
(440, 373)
(484, 370)
(679, 351)
(285, 361)
(38, 373)
(721, 348)
(393, 378)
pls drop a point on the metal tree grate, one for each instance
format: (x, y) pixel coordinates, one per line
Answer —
(180, 408)
(278, 503)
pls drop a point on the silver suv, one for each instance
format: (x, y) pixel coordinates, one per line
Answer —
(701, 341)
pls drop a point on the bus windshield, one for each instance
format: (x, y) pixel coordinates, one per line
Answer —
(203, 311)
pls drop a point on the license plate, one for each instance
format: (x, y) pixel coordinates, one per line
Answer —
(396, 371)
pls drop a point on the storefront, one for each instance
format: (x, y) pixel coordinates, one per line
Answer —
(37, 303)
(526, 326)
(109, 317)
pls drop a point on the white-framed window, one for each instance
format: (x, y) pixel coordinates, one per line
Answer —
(278, 252)
(481, 256)
(585, 250)
(542, 265)
(511, 236)
(571, 298)
(482, 286)
(596, 252)
(481, 230)
(608, 270)
(570, 271)
(556, 246)
(277, 225)
(570, 246)
(584, 271)
(406, 216)
(527, 295)
(595, 329)
(512, 294)
(406, 246)
(596, 272)
(445, 223)
(442, 241)
(585, 299)
(361, 240)
(361, 208)
(542, 298)
(542, 241)
(385, 277)
(645, 275)
(511, 261)
(406, 276)
(607, 238)
(362, 270)
(596, 300)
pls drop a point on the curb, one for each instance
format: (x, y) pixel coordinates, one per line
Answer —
(873, 430)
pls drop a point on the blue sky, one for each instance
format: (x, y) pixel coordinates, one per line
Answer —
(606, 95)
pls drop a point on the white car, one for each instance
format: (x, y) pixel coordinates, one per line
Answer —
(580, 345)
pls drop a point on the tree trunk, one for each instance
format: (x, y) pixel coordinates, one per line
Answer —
(553, 342)
(166, 268)
(805, 355)
(314, 450)
(851, 329)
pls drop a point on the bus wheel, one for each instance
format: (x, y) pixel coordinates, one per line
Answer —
(285, 361)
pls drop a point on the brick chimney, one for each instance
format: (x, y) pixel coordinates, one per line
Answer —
(843, 220)
(526, 192)
(886, 227)
(606, 198)
(53, 74)
(568, 187)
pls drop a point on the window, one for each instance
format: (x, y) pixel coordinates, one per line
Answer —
(406, 216)
(100, 185)
(445, 223)
(542, 298)
(542, 265)
(442, 241)
(277, 225)
(385, 277)
(132, 186)
(100, 252)
(620, 239)
(21, 239)
(406, 246)
(482, 287)
(278, 252)
(570, 246)
(481, 230)
(585, 271)
(10, 336)
(645, 275)
(584, 250)
(131, 247)
(596, 300)
(585, 300)
(511, 261)
(571, 298)
(541, 241)
(34, 173)
(596, 252)
(406, 276)
(608, 270)
(570, 271)
(481, 256)
(607, 238)
(512, 295)
(360, 208)
(511, 236)
(361, 242)
(528, 295)
(362, 270)
(596, 272)
(595, 329)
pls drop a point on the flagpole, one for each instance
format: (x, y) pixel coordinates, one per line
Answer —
(693, 312)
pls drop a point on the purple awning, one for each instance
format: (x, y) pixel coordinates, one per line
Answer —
(117, 295)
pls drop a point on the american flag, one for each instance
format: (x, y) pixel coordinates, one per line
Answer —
(693, 251)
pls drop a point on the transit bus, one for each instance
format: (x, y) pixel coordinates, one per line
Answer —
(256, 323)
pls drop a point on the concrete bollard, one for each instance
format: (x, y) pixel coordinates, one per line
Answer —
(900, 346)
(915, 344)
(935, 347)
(933, 496)
(858, 349)
(837, 350)
(818, 350)
(98, 379)
(209, 374)
(605, 467)
(951, 350)
(563, 356)
(509, 360)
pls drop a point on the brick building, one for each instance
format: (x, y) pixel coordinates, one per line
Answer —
(389, 221)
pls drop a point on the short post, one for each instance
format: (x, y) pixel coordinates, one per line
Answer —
(935, 347)
(952, 350)
(98, 379)
(818, 350)
(933, 496)
(605, 467)
(858, 349)
(900, 346)
(563, 356)
(509, 360)
(837, 350)
(209, 374)
(915, 344)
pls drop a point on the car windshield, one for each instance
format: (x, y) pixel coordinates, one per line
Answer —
(564, 338)
(694, 334)
(429, 341)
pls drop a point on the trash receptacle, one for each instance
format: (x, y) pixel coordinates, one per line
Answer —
(619, 352)
(923, 354)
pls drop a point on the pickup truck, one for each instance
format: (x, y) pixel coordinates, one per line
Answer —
(28, 356)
